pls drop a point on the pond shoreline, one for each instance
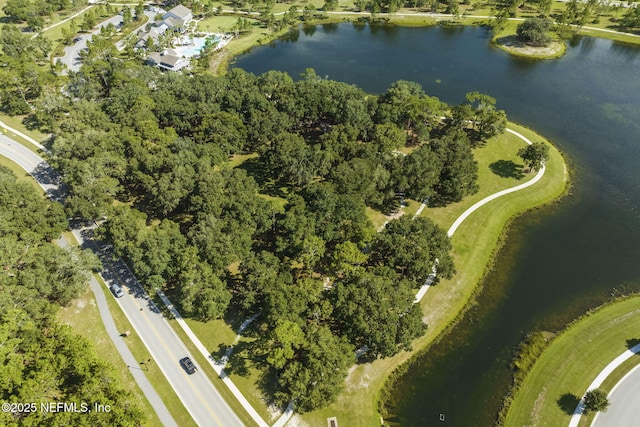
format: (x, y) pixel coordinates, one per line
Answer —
(445, 75)
(220, 65)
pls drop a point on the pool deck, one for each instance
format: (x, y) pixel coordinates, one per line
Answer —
(194, 45)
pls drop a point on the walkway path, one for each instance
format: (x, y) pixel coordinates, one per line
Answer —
(107, 320)
(25, 159)
(196, 391)
(216, 365)
(427, 284)
(117, 271)
(63, 21)
(289, 411)
(597, 382)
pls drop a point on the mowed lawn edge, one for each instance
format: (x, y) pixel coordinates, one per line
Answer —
(474, 247)
(572, 360)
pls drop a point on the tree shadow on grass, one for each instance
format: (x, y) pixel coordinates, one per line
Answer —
(238, 362)
(507, 169)
(220, 352)
(568, 403)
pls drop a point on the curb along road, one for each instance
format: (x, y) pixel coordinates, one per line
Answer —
(196, 392)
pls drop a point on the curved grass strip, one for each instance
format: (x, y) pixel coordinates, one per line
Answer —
(550, 392)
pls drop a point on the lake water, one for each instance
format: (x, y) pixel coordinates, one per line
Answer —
(558, 261)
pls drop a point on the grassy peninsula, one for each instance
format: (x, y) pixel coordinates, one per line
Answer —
(474, 246)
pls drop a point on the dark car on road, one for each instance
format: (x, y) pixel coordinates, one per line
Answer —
(188, 365)
(117, 290)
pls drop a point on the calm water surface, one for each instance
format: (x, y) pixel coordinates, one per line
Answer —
(558, 261)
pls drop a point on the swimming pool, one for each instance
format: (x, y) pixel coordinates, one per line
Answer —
(194, 49)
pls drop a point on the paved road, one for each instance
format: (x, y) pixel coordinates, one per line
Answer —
(50, 182)
(152, 396)
(625, 403)
(599, 379)
(48, 179)
(196, 392)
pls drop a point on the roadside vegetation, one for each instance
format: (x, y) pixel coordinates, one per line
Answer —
(573, 359)
(83, 316)
(37, 279)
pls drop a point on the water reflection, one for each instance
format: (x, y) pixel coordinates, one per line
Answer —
(625, 50)
(309, 30)
(293, 35)
(330, 28)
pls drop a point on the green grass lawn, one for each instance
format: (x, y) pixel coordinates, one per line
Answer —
(357, 405)
(238, 159)
(15, 122)
(215, 336)
(473, 246)
(83, 316)
(572, 361)
(50, 20)
(608, 384)
(499, 154)
(376, 217)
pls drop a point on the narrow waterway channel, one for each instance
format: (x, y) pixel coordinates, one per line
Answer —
(558, 261)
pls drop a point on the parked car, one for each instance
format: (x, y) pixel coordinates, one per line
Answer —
(188, 365)
(117, 291)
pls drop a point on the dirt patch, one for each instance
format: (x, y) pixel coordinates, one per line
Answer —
(359, 379)
(218, 61)
(296, 421)
(537, 406)
(274, 412)
(513, 44)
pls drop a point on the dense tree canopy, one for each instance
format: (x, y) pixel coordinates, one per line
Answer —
(412, 247)
(283, 228)
(375, 309)
(33, 12)
(40, 359)
(21, 79)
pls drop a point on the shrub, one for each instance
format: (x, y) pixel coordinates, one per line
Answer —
(596, 400)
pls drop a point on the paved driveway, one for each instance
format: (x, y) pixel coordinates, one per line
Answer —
(71, 57)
